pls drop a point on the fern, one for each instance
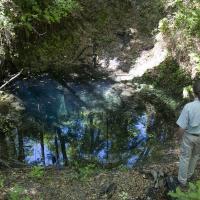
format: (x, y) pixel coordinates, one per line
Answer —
(193, 192)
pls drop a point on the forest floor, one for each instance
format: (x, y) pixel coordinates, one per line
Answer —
(145, 182)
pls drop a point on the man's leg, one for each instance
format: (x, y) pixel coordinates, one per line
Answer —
(185, 155)
(194, 156)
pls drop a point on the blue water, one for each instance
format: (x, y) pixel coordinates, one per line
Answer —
(93, 123)
(103, 154)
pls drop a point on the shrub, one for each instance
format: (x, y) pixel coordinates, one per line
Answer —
(86, 171)
(37, 172)
(16, 193)
(123, 196)
(193, 192)
(187, 17)
(164, 25)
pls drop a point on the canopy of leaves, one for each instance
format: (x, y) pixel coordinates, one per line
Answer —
(182, 26)
(52, 33)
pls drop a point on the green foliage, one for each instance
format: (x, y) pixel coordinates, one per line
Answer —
(37, 172)
(182, 26)
(6, 125)
(9, 113)
(17, 193)
(54, 13)
(171, 85)
(160, 97)
(84, 172)
(6, 31)
(50, 33)
(8, 117)
(187, 92)
(193, 192)
(123, 195)
(2, 180)
(87, 171)
(29, 23)
(27, 198)
(150, 12)
(164, 25)
(30, 12)
(122, 168)
(187, 16)
(196, 58)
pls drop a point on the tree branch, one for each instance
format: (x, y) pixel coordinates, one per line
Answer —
(39, 34)
(80, 53)
(14, 77)
(4, 163)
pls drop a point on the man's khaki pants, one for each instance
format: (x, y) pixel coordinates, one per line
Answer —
(189, 155)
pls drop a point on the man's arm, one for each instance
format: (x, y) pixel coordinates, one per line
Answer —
(180, 133)
(182, 122)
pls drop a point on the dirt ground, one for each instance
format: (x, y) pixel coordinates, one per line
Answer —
(115, 184)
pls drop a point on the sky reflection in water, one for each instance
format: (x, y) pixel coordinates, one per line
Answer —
(33, 154)
(89, 118)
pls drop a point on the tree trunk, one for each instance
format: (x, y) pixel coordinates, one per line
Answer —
(57, 151)
(42, 147)
(12, 147)
(91, 136)
(107, 137)
(63, 149)
(21, 155)
(4, 153)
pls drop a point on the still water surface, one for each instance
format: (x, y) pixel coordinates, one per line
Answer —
(87, 122)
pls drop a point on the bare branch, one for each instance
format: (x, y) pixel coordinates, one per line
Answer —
(14, 77)
(39, 34)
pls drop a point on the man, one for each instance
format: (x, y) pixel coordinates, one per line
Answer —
(189, 132)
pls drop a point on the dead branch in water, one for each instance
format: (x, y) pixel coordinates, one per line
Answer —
(14, 77)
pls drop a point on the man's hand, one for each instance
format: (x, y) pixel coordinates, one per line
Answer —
(180, 133)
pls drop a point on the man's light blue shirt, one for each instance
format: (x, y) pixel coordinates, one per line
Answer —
(190, 117)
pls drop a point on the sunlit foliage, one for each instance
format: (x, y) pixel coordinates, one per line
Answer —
(192, 193)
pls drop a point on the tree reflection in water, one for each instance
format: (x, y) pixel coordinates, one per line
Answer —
(86, 123)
